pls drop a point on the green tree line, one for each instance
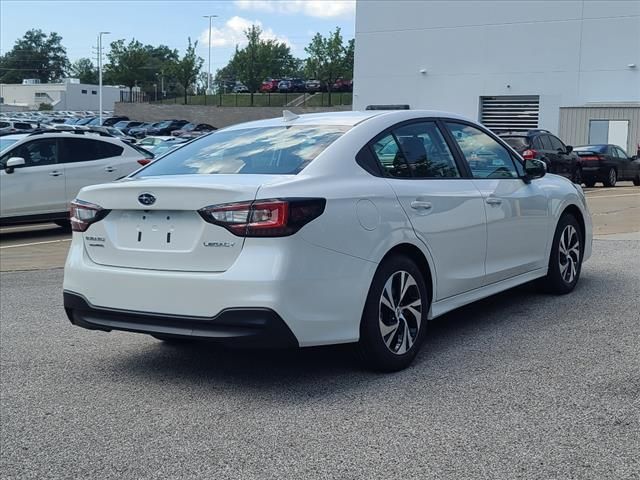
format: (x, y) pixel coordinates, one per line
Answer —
(156, 68)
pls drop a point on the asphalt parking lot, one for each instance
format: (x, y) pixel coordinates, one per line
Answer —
(521, 385)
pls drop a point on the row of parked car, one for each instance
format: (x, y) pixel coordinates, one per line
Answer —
(292, 85)
(586, 164)
(157, 137)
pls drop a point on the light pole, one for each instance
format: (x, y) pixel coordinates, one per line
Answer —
(209, 91)
(100, 73)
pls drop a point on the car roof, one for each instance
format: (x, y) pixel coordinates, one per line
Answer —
(350, 118)
(15, 136)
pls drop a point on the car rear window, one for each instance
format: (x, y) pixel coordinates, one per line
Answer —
(517, 143)
(263, 150)
(592, 148)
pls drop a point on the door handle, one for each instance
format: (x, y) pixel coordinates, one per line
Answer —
(494, 201)
(55, 173)
(420, 205)
(110, 169)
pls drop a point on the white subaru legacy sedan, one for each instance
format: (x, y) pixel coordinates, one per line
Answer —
(351, 227)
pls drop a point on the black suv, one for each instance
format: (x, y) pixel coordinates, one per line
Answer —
(542, 145)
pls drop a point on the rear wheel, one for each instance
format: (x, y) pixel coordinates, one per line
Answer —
(394, 320)
(612, 178)
(590, 183)
(565, 261)
(636, 181)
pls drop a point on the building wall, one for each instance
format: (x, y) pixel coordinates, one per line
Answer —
(567, 52)
(574, 123)
(217, 116)
(63, 96)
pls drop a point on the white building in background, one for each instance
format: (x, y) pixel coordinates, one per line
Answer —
(510, 64)
(68, 95)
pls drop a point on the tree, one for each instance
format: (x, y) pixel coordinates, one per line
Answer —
(186, 69)
(126, 64)
(35, 55)
(84, 70)
(329, 59)
(260, 59)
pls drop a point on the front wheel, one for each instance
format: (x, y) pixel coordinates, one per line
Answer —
(565, 261)
(612, 178)
(394, 319)
(636, 180)
(590, 183)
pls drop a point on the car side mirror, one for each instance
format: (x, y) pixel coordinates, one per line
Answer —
(12, 163)
(635, 157)
(534, 169)
(569, 148)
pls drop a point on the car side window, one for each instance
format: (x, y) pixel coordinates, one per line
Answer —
(85, 149)
(620, 153)
(537, 143)
(391, 158)
(37, 152)
(556, 144)
(546, 142)
(425, 151)
(485, 156)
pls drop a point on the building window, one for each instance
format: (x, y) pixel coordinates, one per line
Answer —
(84, 91)
(94, 92)
(613, 132)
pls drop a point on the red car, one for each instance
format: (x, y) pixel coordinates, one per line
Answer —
(269, 85)
(342, 85)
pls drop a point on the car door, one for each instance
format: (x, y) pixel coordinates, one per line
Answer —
(38, 187)
(625, 165)
(445, 209)
(89, 161)
(565, 161)
(516, 212)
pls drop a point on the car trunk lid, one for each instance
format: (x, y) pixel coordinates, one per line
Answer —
(167, 233)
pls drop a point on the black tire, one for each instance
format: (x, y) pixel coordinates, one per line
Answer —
(636, 181)
(590, 183)
(372, 347)
(611, 178)
(577, 176)
(64, 224)
(557, 280)
(173, 340)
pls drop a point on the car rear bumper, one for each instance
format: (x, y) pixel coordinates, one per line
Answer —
(237, 326)
(318, 293)
(595, 172)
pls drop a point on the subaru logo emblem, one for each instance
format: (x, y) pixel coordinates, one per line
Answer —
(146, 199)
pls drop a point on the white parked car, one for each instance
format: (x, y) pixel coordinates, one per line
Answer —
(41, 173)
(321, 229)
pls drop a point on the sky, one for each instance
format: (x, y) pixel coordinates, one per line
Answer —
(170, 23)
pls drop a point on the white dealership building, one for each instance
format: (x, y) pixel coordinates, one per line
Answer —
(572, 67)
(68, 94)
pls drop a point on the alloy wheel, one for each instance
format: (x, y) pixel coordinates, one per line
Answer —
(612, 177)
(400, 312)
(569, 253)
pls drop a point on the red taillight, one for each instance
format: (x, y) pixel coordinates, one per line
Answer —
(529, 154)
(590, 158)
(84, 214)
(144, 161)
(265, 218)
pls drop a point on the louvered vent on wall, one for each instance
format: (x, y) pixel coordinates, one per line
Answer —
(513, 113)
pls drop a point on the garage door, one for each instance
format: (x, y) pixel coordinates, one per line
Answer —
(510, 113)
